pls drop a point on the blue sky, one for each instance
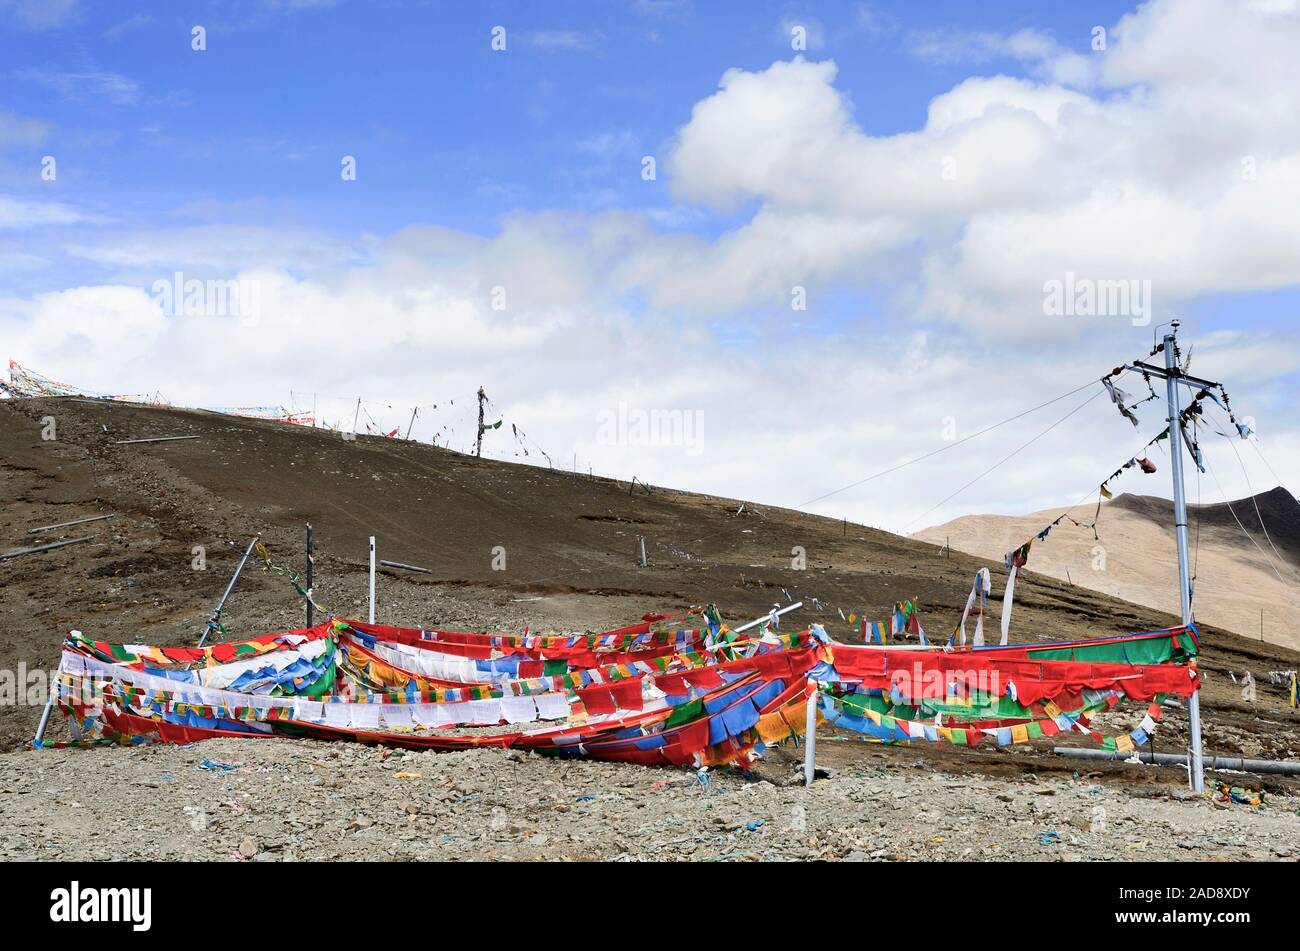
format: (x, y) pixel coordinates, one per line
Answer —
(776, 168)
(444, 128)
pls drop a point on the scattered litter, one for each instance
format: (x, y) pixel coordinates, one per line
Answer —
(1049, 838)
(585, 799)
(705, 781)
(1240, 795)
(406, 774)
(216, 766)
(753, 825)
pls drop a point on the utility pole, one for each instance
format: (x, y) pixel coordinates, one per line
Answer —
(412, 422)
(478, 445)
(1173, 375)
(1180, 530)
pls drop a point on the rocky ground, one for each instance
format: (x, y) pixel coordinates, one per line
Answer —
(292, 800)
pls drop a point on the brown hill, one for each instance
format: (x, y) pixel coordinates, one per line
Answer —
(1132, 556)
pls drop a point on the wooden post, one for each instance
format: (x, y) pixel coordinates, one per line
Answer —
(311, 563)
(810, 733)
(372, 579)
(478, 443)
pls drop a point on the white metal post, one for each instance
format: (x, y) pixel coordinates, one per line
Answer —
(1173, 398)
(372, 579)
(766, 617)
(810, 733)
(45, 718)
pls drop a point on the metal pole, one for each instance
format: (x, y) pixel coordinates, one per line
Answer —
(19, 552)
(404, 566)
(372, 579)
(215, 620)
(311, 563)
(45, 718)
(809, 733)
(766, 617)
(75, 521)
(641, 539)
(1284, 767)
(1174, 398)
(132, 442)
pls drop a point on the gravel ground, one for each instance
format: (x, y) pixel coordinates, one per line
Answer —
(291, 800)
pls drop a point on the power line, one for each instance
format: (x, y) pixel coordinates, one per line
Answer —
(1005, 459)
(1251, 489)
(1239, 525)
(952, 445)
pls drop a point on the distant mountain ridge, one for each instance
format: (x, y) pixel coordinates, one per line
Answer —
(1279, 508)
(1133, 556)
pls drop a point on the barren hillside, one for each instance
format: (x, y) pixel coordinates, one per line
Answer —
(1132, 556)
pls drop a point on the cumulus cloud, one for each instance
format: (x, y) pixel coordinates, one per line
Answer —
(1013, 182)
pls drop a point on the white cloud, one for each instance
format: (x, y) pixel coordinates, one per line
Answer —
(16, 213)
(42, 14)
(22, 131)
(76, 85)
(130, 24)
(574, 41)
(1013, 182)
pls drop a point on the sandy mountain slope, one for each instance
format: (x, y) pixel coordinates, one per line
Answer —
(1133, 556)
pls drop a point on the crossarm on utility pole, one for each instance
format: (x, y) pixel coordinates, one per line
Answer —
(1162, 373)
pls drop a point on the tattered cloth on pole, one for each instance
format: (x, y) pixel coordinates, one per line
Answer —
(1119, 398)
(1015, 561)
(982, 587)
